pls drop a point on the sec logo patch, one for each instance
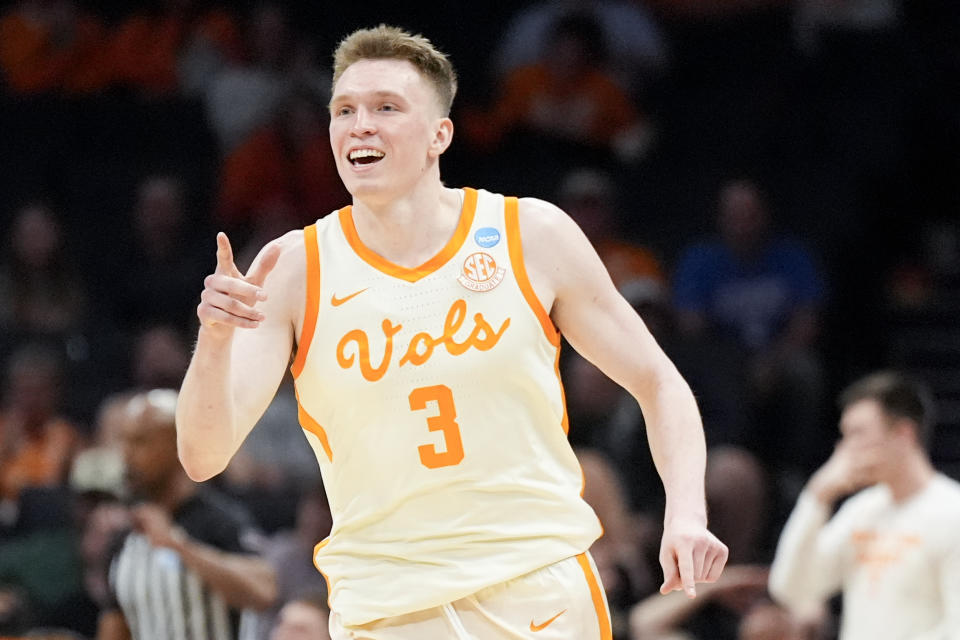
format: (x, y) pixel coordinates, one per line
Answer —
(480, 272)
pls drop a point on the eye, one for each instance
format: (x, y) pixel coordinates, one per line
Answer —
(388, 107)
(342, 111)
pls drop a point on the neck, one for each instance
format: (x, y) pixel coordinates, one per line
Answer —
(911, 477)
(175, 492)
(411, 229)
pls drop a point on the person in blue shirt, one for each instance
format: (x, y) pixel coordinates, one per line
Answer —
(763, 292)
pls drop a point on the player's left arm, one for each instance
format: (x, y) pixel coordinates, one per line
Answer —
(571, 282)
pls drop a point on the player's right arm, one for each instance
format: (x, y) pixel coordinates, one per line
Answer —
(243, 348)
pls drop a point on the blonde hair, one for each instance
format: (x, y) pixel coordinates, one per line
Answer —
(385, 42)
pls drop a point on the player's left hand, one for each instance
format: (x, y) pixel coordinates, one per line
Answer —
(689, 554)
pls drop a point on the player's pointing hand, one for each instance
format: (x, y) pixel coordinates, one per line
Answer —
(689, 554)
(229, 298)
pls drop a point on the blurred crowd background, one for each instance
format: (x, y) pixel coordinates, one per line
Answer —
(773, 184)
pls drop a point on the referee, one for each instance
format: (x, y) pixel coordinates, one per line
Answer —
(186, 570)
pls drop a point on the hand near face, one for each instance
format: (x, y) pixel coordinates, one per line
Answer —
(851, 468)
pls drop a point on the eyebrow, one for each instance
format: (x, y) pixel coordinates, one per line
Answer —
(346, 97)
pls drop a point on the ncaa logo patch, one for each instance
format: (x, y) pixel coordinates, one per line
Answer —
(487, 237)
(480, 272)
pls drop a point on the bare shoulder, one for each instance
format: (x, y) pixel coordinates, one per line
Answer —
(551, 239)
(290, 243)
(292, 254)
(539, 216)
(286, 283)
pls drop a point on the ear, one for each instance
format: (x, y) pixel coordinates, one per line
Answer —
(443, 136)
(907, 429)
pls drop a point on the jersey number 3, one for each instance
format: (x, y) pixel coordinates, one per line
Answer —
(445, 421)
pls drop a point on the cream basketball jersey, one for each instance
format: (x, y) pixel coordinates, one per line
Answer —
(432, 400)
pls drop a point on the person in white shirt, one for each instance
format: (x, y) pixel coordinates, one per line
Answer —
(893, 549)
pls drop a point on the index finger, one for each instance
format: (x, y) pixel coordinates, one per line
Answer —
(224, 254)
(685, 565)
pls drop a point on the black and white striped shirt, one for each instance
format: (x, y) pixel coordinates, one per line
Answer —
(163, 599)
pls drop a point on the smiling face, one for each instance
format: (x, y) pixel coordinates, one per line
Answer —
(387, 130)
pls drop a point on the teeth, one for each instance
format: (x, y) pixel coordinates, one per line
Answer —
(365, 153)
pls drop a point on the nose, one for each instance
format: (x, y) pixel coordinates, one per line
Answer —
(363, 122)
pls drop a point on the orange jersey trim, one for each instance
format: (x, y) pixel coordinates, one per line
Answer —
(596, 594)
(311, 425)
(380, 263)
(326, 579)
(565, 421)
(515, 250)
(313, 298)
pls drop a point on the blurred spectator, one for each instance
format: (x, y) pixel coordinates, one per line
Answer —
(153, 279)
(190, 545)
(767, 621)
(14, 611)
(765, 292)
(50, 45)
(110, 420)
(303, 618)
(813, 17)
(892, 549)
(637, 47)
(567, 95)
(97, 483)
(97, 471)
(589, 196)
(36, 442)
(930, 268)
(243, 97)
(697, 10)
(176, 44)
(714, 614)
(590, 395)
(41, 291)
(285, 165)
(160, 358)
(291, 552)
(738, 502)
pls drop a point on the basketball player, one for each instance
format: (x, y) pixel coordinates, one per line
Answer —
(427, 325)
(892, 549)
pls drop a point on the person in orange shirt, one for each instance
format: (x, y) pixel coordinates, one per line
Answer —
(36, 444)
(147, 47)
(568, 95)
(287, 163)
(51, 46)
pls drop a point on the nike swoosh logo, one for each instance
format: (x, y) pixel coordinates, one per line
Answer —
(541, 627)
(335, 301)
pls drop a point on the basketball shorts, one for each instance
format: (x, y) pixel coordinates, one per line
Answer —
(562, 601)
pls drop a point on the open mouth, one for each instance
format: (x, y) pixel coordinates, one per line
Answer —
(365, 156)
